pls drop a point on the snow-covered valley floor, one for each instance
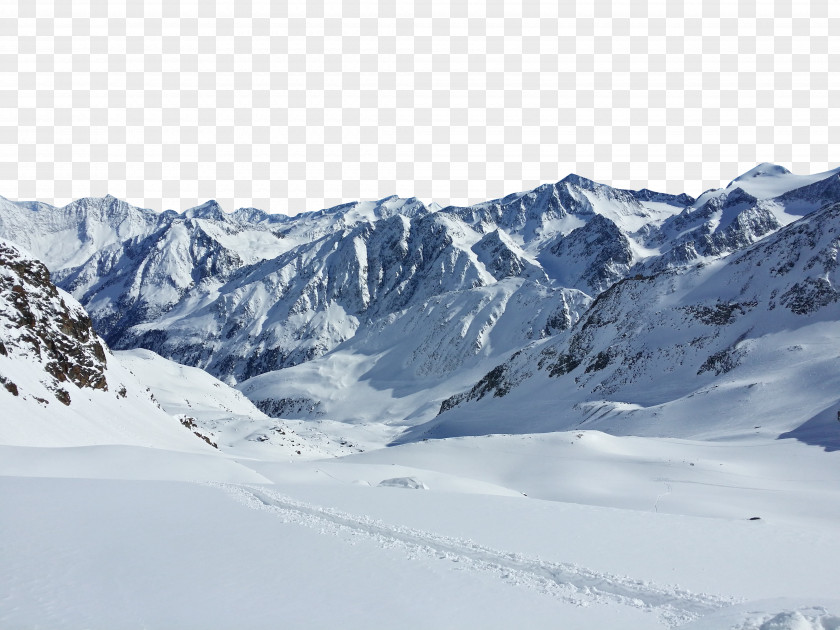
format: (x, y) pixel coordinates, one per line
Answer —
(559, 530)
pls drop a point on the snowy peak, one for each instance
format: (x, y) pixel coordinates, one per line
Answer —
(244, 293)
(765, 169)
(591, 258)
(575, 183)
(208, 210)
(294, 307)
(68, 236)
(534, 218)
(767, 181)
(578, 181)
(352, 213)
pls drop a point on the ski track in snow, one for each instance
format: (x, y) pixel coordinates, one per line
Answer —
(662, 496)
(568, 582)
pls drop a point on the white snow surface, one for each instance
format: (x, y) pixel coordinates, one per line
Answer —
(539, 531)
(571, 529)
(224, 415)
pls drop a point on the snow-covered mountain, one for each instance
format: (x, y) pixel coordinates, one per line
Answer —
(746, 343)
(384, 310)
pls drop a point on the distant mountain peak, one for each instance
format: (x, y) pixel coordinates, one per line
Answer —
(765, 169)
(580, 181)
(210, 209)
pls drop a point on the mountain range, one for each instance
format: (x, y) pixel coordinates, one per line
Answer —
(573, 304)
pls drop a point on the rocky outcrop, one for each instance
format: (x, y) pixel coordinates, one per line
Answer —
(36, 320)
(504, 259)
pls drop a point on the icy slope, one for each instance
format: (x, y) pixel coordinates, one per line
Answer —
(398, 369)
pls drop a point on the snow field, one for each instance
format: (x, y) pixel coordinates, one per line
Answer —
(127, 542)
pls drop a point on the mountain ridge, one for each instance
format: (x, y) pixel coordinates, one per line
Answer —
(249, 295)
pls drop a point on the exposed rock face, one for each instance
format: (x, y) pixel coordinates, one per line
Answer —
(593, 256)
(504, 259)
(725, 223)
(289, 407)
(36, 320)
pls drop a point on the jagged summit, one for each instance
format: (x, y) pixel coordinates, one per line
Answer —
(208, 210)
(580, 181)
(682, 200)
(211, 208)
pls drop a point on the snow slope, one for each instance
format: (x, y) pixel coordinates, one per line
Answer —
(662, 545)
(226, 417)
(399, 369)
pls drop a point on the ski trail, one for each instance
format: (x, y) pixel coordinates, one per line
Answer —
(568, 582)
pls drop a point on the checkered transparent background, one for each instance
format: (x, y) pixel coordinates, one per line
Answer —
(292, 106)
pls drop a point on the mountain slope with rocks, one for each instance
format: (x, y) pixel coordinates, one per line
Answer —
(747, 343)
(60, 384)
